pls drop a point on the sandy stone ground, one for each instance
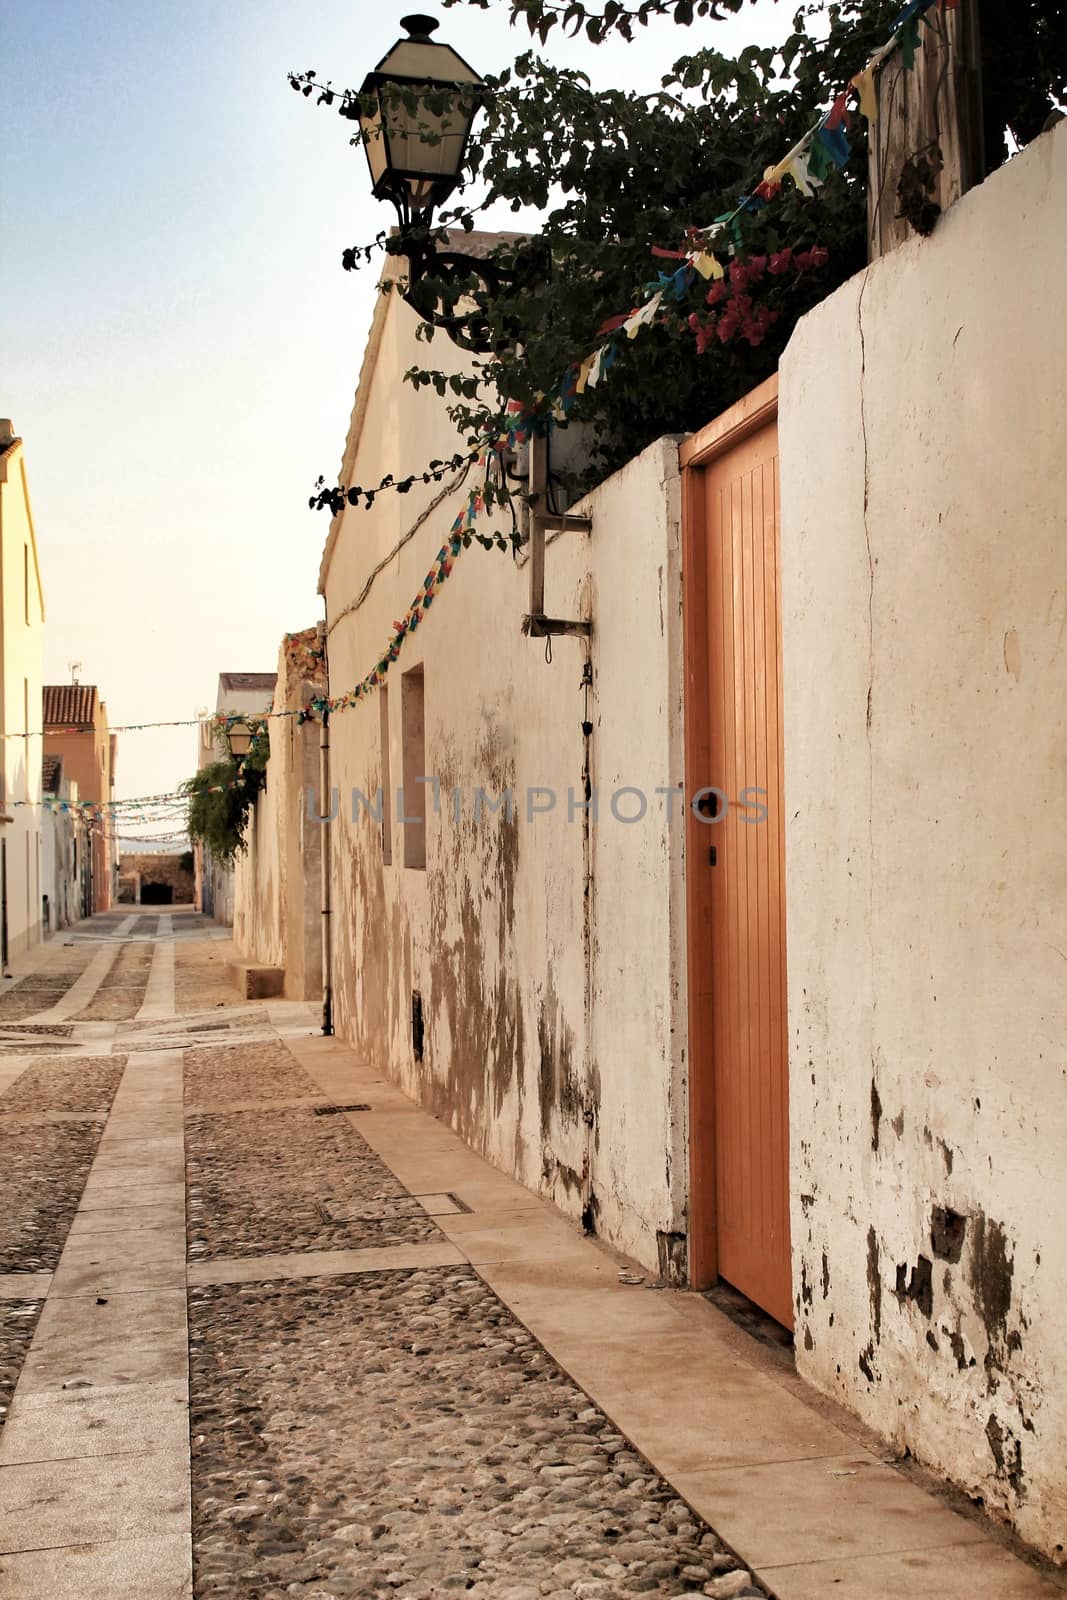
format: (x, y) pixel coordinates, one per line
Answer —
(370, 1433)
(241, 1360)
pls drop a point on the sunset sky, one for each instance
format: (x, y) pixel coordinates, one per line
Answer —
(180, 344)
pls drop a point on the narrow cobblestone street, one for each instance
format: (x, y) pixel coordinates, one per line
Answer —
(267, 1330)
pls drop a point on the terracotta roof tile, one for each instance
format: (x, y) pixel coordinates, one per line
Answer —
(69, 705)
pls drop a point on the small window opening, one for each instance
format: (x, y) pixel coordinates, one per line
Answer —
(413, 719)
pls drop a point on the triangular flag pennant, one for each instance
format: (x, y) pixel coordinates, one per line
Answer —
(708, 266)
(805, 181)
(596, 368)
(829, 149)
(641, 318)
(838, 117)
(863, 83)
(583, 373)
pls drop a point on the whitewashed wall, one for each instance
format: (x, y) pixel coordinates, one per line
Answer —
(545, 952)
(21, 644)
(277, 919)
(924, 479)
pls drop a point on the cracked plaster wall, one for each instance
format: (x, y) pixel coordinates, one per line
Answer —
(546, 954)
(924, 475)
(277, 895)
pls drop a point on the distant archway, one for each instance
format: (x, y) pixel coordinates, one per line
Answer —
(157, 894)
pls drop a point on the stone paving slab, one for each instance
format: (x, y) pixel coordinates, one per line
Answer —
(54, 1503)
(24, 1285)
(825, 1508)
(323, 1263)
(964, 1572)
(133, 1196)
(132, 1420)
(74, 1282)
(133, 1338)
(131, 1220)
(167, 1172)
(143, 1247)
(124, 1569)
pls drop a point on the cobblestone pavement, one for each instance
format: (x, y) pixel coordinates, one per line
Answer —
(43, 1169)
(84, 1084)
(122, 991)
(267, 1181)
(260, 1071)
(382, 1433)
(400, 1434)
(18, 1320)
(40, 990)
(44, 1165)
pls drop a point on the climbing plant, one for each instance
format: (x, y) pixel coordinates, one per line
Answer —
(221, 796)
(615, 176)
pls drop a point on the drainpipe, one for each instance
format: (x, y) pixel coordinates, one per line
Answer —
(324, 858)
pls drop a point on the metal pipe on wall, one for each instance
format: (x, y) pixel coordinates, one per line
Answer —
(325, 813)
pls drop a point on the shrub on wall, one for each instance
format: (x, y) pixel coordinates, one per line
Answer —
(221, 797)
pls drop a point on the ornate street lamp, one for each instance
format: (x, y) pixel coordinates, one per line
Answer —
(416, 110)
(239, 739)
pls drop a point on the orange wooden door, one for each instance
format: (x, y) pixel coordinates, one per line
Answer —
(736, 867)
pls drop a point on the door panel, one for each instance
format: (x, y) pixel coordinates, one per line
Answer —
(740, 1164)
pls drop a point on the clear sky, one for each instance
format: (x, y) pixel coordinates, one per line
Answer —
(180, 346)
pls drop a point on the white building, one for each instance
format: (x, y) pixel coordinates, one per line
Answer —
(251, 694)
(821, 1058)
(21, 628)
(66, 846)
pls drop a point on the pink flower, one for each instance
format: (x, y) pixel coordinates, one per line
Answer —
(819, 255)
(717, 292)
(781, 261)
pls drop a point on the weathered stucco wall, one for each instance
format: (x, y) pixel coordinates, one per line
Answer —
(276, 883)
(924, 475)
(21, 626)
(543, 947)
(259, 873)
(137, 872)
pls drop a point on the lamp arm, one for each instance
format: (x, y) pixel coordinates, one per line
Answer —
(431, 269)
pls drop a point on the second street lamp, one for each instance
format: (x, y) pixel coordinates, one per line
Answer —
(239, 739)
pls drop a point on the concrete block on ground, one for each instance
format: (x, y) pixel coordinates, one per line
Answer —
(255, 982)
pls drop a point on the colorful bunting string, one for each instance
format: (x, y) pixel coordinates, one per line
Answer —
(822, 150)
